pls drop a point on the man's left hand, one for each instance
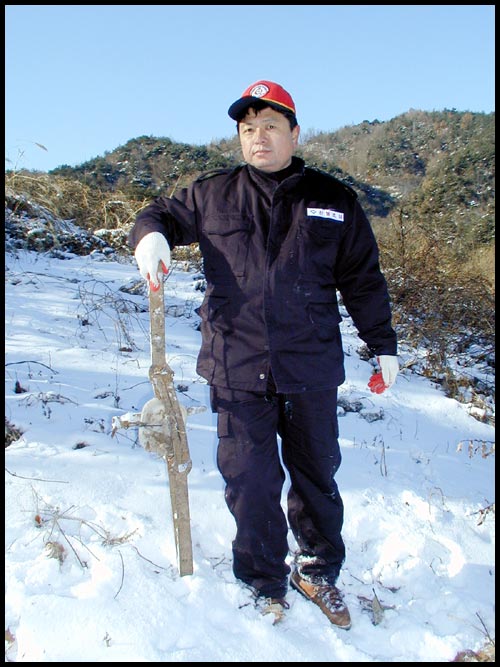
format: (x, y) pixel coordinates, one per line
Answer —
(389, 369)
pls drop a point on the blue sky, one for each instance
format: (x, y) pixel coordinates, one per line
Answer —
(82, 80)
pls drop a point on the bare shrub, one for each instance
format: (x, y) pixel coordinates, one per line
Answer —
(440, 303)
(12, 433)
(70, 199)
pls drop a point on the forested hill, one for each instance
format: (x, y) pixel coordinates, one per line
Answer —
(438, 163)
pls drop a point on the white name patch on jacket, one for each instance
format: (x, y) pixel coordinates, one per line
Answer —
(328, 213)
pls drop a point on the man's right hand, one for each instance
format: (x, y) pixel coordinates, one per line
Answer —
(151, 250)
(385, 378)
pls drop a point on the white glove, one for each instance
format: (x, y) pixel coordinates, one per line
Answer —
(151, 250)
(389, 366)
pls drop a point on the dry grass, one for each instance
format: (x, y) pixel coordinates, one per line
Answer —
(70, 199)
(486, 654)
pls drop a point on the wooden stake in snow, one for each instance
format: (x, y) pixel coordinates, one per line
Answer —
(163, 430)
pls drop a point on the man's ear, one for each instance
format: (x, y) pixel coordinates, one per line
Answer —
(295, 135)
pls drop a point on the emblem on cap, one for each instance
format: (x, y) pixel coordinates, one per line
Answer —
(259, 90)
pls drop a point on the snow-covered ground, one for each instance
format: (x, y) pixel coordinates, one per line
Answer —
(91, 573)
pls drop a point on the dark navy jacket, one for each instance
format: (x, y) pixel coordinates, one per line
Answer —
(275, 253)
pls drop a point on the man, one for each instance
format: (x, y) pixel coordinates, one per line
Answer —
(278, 240)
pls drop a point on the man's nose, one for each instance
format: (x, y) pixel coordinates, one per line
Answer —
(260, 134)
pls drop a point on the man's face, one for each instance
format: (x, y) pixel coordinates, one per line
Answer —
(266, 140)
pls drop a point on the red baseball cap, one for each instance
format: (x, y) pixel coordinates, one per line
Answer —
(267, 91)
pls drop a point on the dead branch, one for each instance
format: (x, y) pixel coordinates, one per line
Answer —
(36, 479)
(29, 361)
(123, 573)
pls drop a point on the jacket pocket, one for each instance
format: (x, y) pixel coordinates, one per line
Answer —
(214, 312)
(319, 242)
(326, 319)
(322, 230)
(226, 250)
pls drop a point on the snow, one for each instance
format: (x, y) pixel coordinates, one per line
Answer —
(91, 570)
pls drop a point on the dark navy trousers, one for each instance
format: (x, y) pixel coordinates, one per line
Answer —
(248, 458)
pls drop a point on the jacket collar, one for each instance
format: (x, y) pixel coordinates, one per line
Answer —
(270, 181)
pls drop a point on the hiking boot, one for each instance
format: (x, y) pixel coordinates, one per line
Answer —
(276, 606)
(328, 598)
